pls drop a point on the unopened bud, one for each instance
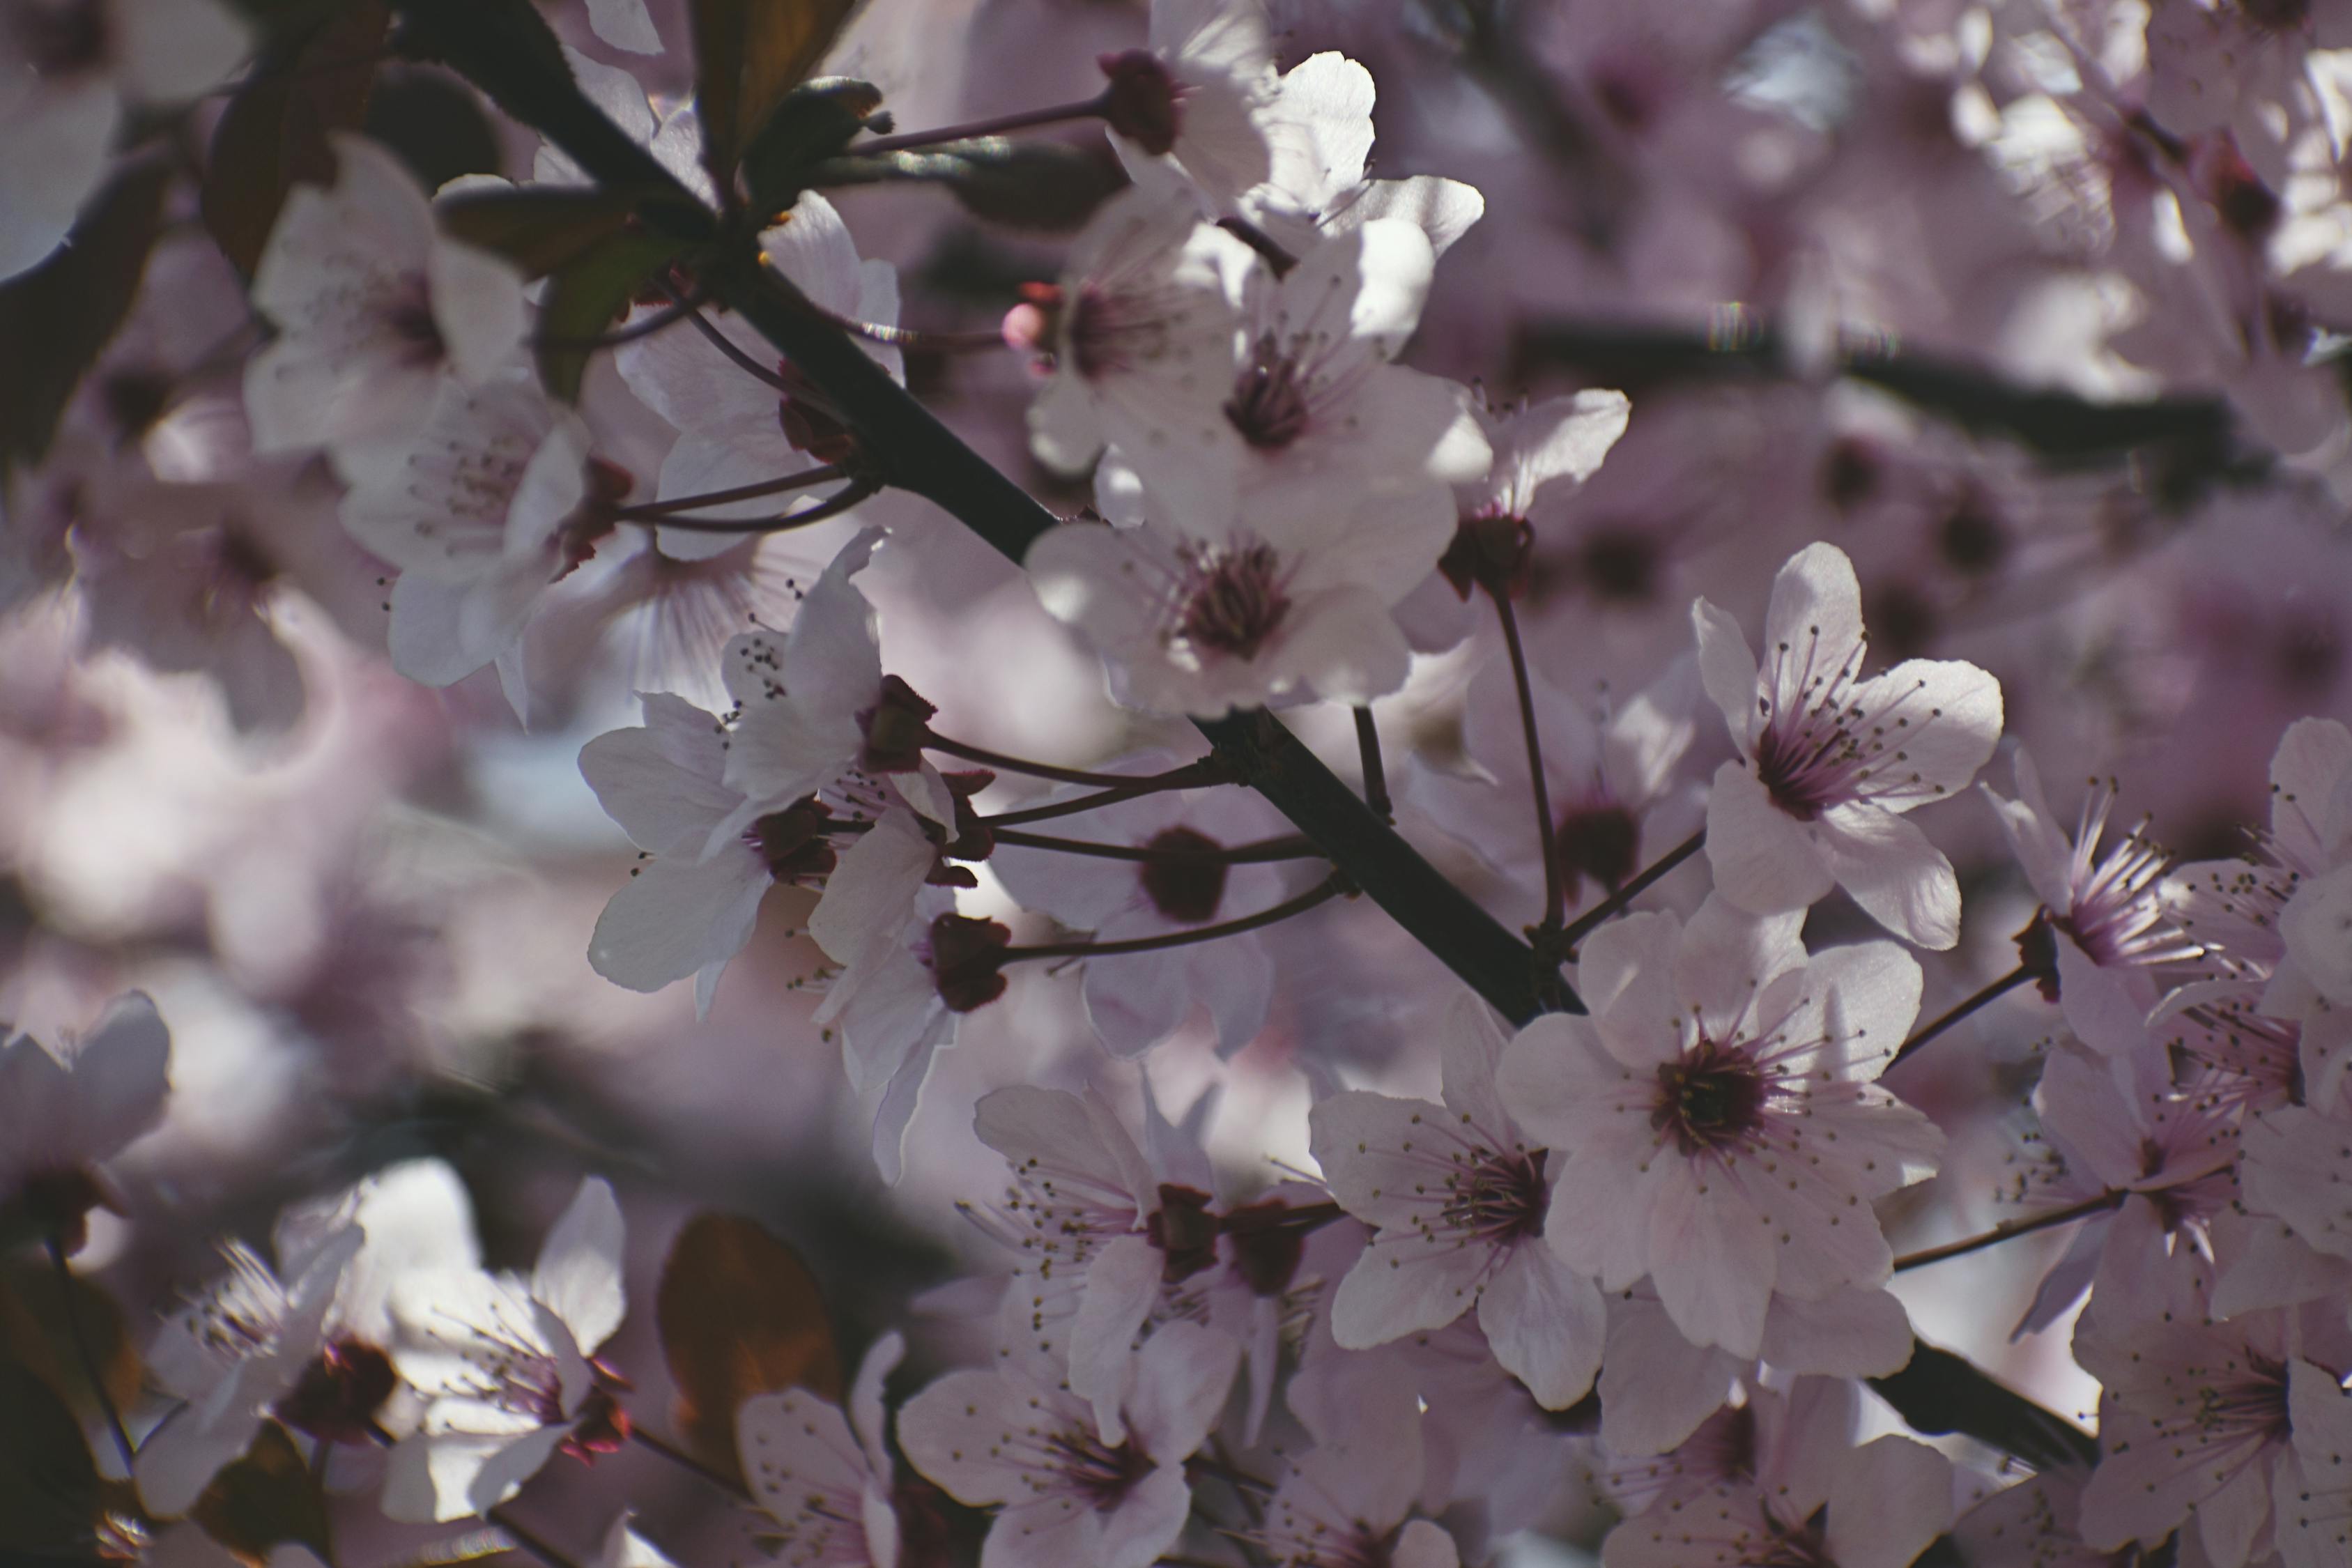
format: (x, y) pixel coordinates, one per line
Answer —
(967, 961)
(1143, 103)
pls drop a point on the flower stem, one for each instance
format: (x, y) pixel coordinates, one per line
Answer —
(669, 315)
(726, 347)
(1192, 775)
(917, 339)
(1376, 773)
(1994, 992)
(534, 1544)
(935, 741)
(1057, 114)
(1585, 924)
(1288, 846)
(83, 1352)
(685, 1461)
(663, 508)
(2087, 1208)
(1329, 887)
(857, 492)
(1555, 890)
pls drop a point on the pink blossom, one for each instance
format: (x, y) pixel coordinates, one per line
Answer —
(1461, 1196)
(506, 1366)
(1829, 761)
(63, 1114)
(1010, 1437)
(373, 307)
(2107, 912)
(823, 1473)
(1717, 1114)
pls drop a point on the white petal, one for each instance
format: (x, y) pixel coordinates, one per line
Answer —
(578, 1273)
(1889, 1499)
(1546, 1326)
(120, 1078)
(1764, 860)
(1888, 867)
(625, 25)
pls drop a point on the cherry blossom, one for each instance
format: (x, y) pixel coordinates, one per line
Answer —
(1139, 319)
(63, 1114)
(1611, 778)
(374, 306)
(823, 1473)
(2106, 912)
(1009, 1436)
(1882, 1507)
(308, 1345)
(202, 577)
(1199, 96)
(734, 431)
(2173, 1156)
(895, 1002)
(1137, 1000)
(1346, 1500)
(1461, 1198)
(2196, 1416)
(1320, 133)
(1310, 412)
(1829, 761)
(70, 74)
(812, 704)
(480, 516)
(506, 1366)
(1717, 1114)
(1657, 1388)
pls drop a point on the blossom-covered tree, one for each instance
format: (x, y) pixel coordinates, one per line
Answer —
(1126, 591)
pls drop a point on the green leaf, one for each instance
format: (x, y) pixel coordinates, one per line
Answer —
(739, 1314)
(50, 1495)
(815, 121)
(748, 55)
(56, 320)
(274, 131)
(263, 1499)
(583, 299)
(1025, 185)
(540, 228)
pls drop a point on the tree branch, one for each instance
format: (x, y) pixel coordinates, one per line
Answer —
(498, 45)
(504, 48)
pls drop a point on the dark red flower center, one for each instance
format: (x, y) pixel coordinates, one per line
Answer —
(1711, 1098)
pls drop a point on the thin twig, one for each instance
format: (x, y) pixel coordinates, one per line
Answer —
(1092, 108)
(1004, 762)
(1999, 1233)
(88, 1358)
(834, 505)
(1998, 989)
(1585, 924)
(728, 347)
(1289, 847)
(663, 508)
(1555, 887)
(1329, 887)
(669, 315)
(1192, 775)
(685, 1461)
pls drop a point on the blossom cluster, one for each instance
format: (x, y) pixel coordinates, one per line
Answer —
(1454, 952)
